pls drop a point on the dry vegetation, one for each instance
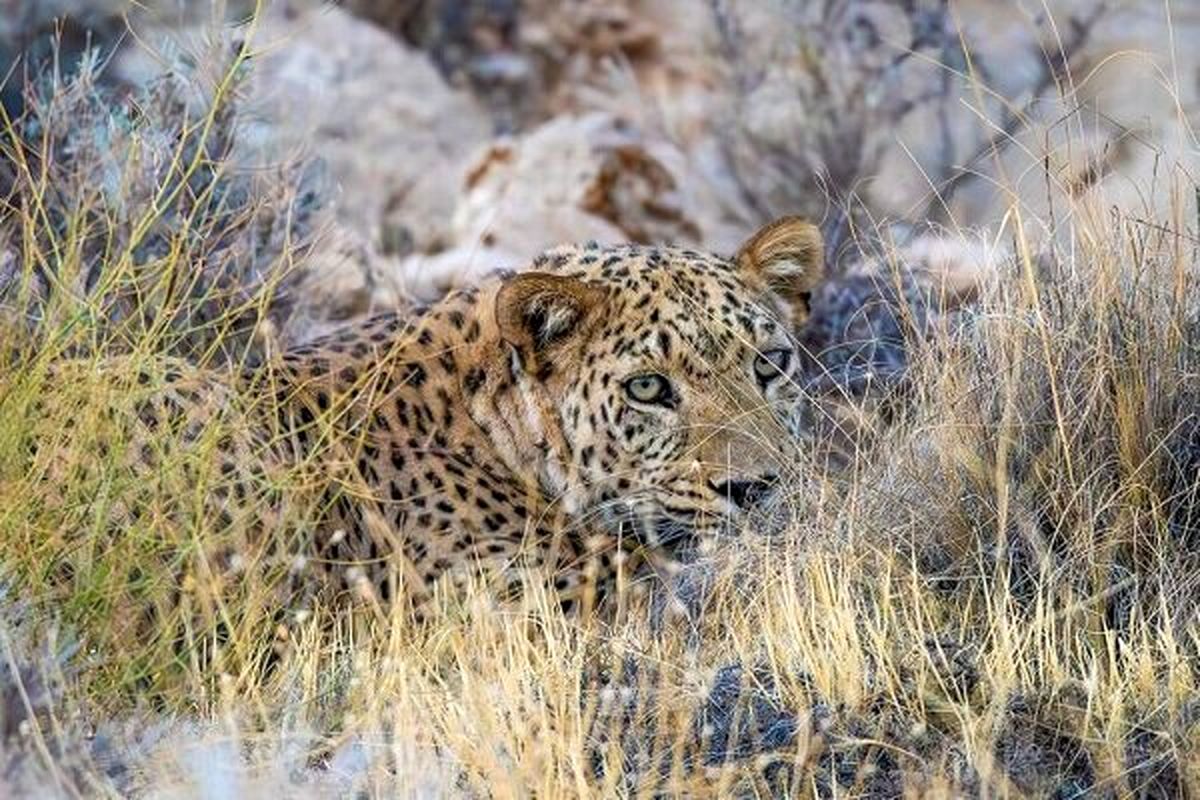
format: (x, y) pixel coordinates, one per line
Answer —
(998, 596)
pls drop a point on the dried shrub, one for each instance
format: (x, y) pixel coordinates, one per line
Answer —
(127, 211)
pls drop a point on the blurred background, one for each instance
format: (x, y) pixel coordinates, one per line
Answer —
(443, 138)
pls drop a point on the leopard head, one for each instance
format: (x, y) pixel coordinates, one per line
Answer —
(659, 383)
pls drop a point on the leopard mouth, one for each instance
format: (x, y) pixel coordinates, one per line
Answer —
(647, 521)
(656, 528)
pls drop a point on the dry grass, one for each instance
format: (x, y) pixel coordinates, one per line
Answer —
(999, 599)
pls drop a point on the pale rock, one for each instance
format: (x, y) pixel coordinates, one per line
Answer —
(393, 134)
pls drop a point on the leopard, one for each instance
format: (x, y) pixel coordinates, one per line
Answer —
(579, 419)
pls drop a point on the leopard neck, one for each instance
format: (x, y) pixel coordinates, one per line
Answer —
(512, 413)
(442, 379)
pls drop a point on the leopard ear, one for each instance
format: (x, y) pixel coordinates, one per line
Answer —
(536, 310)
(788, 255)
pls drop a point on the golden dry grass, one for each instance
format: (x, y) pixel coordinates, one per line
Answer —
(999, 599)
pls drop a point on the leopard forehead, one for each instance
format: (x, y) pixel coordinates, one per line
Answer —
(698, 296)
(629, 263)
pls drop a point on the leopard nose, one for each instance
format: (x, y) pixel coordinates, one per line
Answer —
(746, 493)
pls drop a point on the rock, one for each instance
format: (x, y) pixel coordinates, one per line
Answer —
(574, 179)
(1114, 135)
(344, 278)
(392, 133)
(391, 137)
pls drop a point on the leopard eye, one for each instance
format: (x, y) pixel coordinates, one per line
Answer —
(770, 365)
(650, 388)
